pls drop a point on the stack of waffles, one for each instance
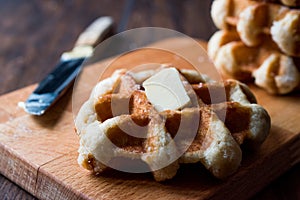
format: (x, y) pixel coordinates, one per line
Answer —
(259, 41)
(119, 122)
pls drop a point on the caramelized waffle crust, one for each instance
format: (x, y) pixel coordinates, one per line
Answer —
(254, 21)
(118, 121)
(271, 69)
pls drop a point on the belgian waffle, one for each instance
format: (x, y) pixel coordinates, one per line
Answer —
(272, 70)
(254, 21)
(118, 105)
(291, 3)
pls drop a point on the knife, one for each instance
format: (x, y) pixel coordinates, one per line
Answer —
(55, 84)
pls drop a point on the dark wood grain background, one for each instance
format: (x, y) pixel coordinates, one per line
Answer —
(33, 34)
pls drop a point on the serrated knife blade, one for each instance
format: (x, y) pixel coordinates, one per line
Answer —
(54, 85)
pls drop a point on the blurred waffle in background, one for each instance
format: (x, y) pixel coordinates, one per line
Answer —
(258, 41)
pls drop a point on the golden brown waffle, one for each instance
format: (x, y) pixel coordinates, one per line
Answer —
(213, 125)
(254, 21)
(291, 3)
(271, 69)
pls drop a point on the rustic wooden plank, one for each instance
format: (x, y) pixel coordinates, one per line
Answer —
(27, 142)
(9, 104)
(17, 169)
(60, 181)
(286, 187)
(15, 191)
(39, 139)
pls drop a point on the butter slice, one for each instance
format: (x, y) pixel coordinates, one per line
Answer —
(165, 90)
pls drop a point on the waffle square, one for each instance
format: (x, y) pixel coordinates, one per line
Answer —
(119, 122)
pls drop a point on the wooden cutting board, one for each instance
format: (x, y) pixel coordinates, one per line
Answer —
(40, 153)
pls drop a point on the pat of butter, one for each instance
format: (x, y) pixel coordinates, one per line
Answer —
(166, 91)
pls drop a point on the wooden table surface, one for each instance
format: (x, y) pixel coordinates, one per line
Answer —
(34, 33)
